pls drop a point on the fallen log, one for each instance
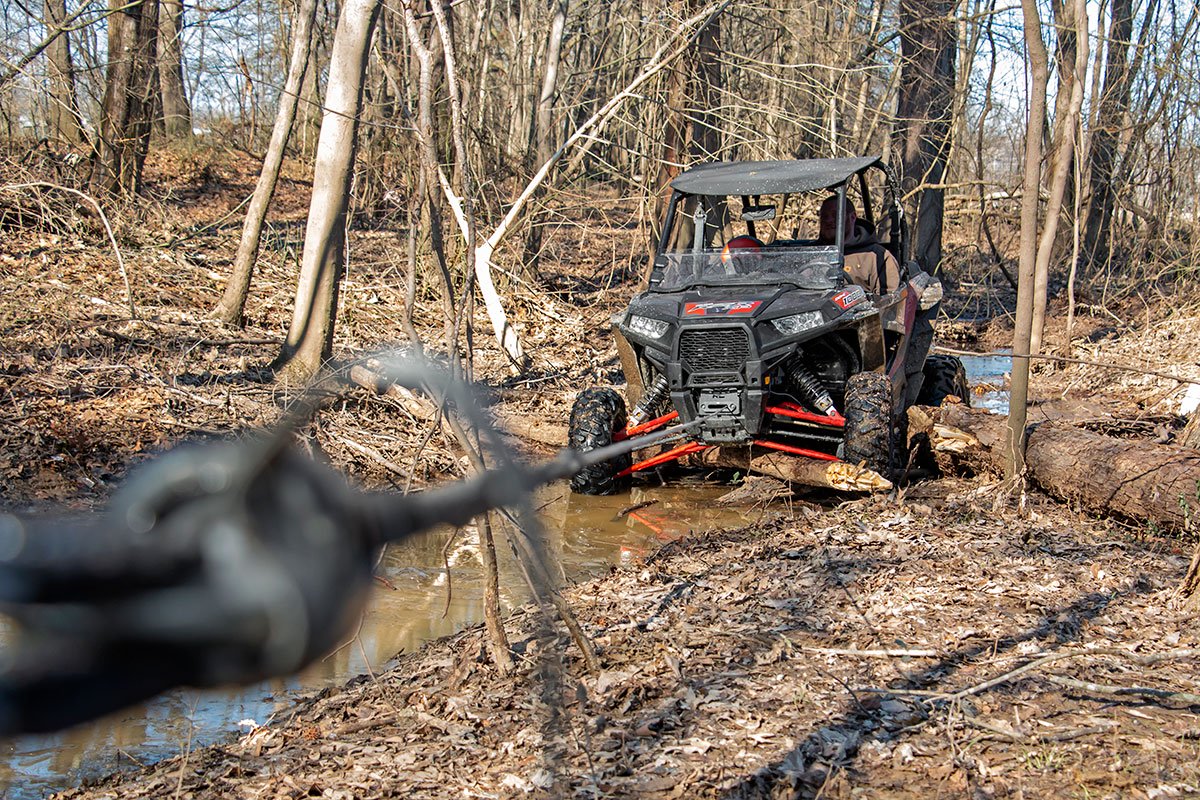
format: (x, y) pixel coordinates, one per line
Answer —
(1136, 480)
(831, 474)
(419, 407)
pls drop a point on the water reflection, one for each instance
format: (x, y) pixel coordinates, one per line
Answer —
(989, 377)
(421, 601)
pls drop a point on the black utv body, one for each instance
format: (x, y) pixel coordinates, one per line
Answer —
(771, 345)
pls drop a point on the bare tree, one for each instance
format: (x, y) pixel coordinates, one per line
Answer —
(1103, 156)
(923, 118)
(692, 133)
(233, 301)
(310, 337)
(1039, 77)
(177, 114)
(65, 121)
(542, 134)
(131, 89)
(1070, 88)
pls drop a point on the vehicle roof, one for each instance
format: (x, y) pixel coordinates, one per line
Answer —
(770, 177)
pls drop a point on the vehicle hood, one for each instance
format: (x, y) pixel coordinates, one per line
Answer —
(744, 303)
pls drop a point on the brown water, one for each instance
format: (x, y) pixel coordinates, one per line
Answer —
(584, 533)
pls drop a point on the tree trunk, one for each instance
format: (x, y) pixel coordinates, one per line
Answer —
(129, 97)
(1022, 333)
(1110, 120)
(922, 136)
(1135, 480)
(1070, 91)
(543, 120)
(233, 301)
(65, 121)
(691, 133)
(705, 95)
(497, 640)
(310, 338)
(177, 114)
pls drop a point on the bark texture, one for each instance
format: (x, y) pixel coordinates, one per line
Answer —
(810, 472)
(64, 109)
(310, 337)
(925, 106)
(233, 301)
(177, 114)
(1103, 156)
(130, 94)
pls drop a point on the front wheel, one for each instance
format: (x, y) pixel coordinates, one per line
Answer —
(595, 417)
(945, 377)
(870, 434)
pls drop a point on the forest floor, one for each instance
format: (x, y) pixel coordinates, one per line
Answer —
(947, 639)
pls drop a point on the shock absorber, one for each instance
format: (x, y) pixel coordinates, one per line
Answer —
(650, 399)
(811, 390)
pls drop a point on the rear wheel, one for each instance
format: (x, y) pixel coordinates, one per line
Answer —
(596, 416)
(870, 436)
(945, 376)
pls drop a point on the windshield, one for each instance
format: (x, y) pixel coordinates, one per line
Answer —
(816, 267)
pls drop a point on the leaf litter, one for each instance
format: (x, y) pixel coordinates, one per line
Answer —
(841, 657)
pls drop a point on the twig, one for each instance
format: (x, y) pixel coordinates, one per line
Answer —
(133, 340)
(1121, 367)
(635, 507)
(230, 342)
(837, 651)
(103, 218)
(371, 453)
(1041, 738)
(1136, 691)
(1147, 660)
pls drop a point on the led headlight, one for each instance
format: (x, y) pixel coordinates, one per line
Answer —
(789, 326)
(648, 327)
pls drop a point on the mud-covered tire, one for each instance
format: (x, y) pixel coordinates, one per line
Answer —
(945, 376)
(596, 415)
(870, 434)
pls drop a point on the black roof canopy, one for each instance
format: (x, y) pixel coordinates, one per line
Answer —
(770, 177)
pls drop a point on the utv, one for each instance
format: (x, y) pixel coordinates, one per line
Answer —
(751, 330)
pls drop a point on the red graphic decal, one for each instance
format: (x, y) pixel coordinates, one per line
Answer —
(720, 309)
(848, 297)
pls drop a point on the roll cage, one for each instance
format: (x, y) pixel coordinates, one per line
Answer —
(698, 213)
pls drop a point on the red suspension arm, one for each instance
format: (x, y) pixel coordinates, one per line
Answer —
(645, 427)
(795, 412)
(682, 450)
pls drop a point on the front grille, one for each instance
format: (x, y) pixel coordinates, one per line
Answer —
(720, 349)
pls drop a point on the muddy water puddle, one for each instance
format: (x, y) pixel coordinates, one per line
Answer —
(420, 601)
(988, 375)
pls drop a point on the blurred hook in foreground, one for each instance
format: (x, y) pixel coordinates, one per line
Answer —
(217, 564)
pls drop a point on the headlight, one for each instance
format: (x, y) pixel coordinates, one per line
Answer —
(648, 327)
(789, 326)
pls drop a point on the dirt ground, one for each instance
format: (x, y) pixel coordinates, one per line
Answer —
(921, 646)
(932, 642)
